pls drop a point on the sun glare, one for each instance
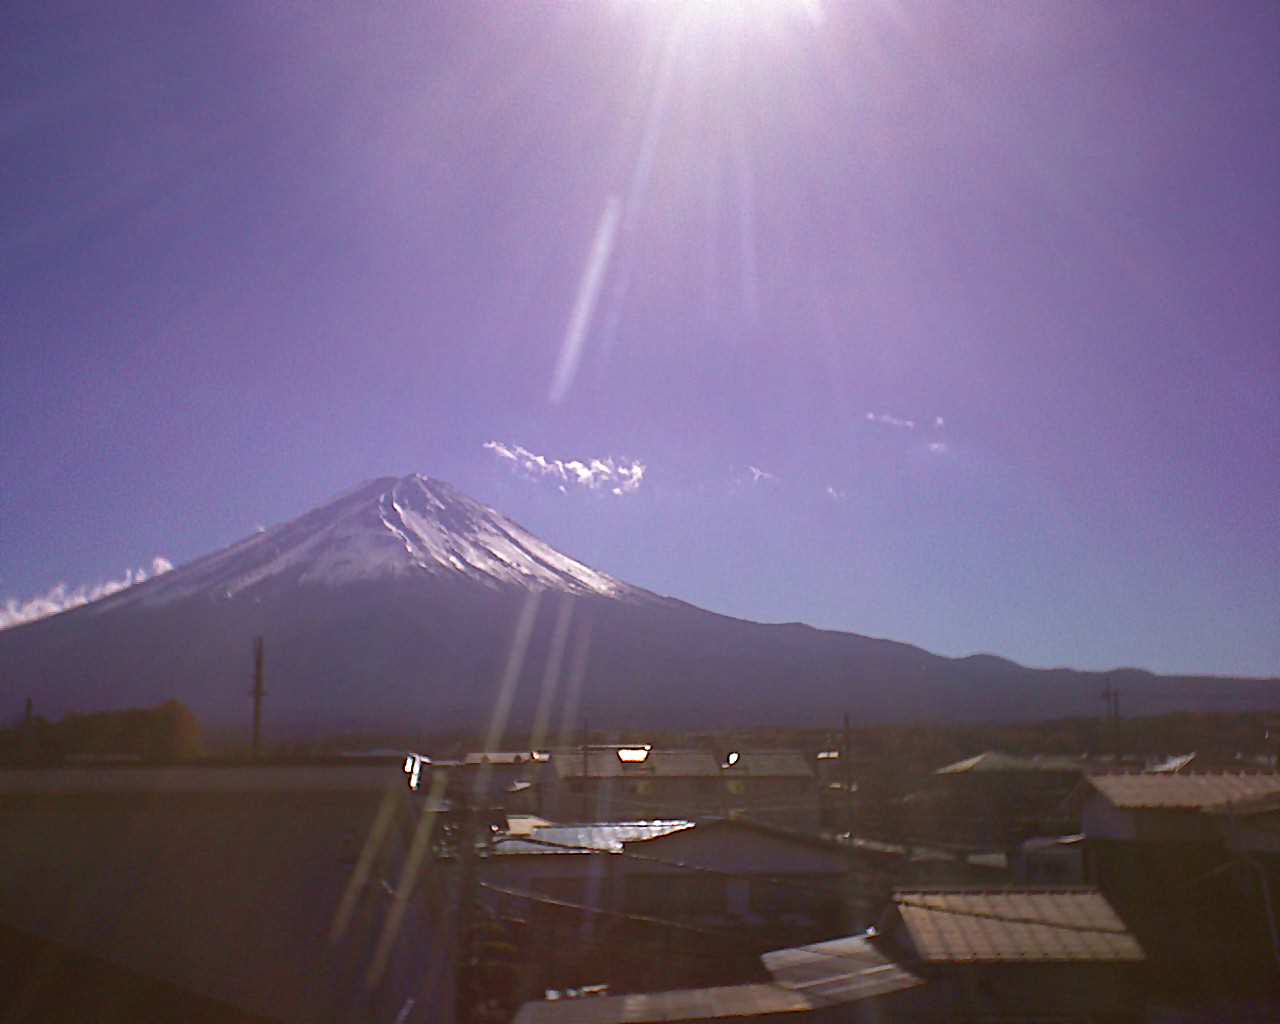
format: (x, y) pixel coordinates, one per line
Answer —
(745, 13)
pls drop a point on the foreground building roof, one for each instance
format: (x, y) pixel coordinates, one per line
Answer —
(1014, 926)
(1184, 792)
(836, 973)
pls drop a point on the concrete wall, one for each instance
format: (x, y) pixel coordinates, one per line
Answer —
(224, 883)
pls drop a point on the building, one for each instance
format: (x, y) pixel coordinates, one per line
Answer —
(1191, 861)
(1018, 954)
(1049, 860)
(612, 889)
(844, 979)
(942, 956)
(600, 783)
(996, 798)
(227, 883)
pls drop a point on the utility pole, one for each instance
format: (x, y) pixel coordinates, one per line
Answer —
(846, 770)
(27, 715)
(259, 691)
(1111, 696)
(586, 737)
(465, 985)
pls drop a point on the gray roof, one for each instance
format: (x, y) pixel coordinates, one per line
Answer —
(594, 837)
(202, 778)
(994, 761)
(604, 763)
(807, 978)
(1184, 792)
(1014, 926)
(770, 764)
(726, 1002)
(839, 971)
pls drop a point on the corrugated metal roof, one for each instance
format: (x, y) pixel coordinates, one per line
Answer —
(1184, 792)
(1018, 925)
(727, 1002)
(598, 837)
(604, 763)
(994, 761)
(807, 978)
(840, 971)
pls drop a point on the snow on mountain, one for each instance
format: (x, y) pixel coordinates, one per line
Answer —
(386, 528)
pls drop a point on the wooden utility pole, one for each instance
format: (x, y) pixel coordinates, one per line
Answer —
(586, 738)
(846, 771)
(259, 691)
(466, 984)
(1111, 696)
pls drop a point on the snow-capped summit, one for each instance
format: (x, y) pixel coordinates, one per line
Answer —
(387, 528)
(403, 604)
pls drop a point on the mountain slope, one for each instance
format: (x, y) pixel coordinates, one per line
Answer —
(405, 605)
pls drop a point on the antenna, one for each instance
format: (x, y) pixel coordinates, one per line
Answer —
(259, 691)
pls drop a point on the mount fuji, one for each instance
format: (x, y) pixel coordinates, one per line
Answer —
(403, 605)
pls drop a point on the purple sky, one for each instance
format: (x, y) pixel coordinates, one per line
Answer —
(252, 255)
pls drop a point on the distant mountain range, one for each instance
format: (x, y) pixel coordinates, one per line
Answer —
(404, 605)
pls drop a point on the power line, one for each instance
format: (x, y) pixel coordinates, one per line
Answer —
(686, 866)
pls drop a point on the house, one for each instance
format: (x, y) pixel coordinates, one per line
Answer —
(640, 782)
(1018, 954)
(1192, 863)
(996, 798)
(942, 956)
(613, 889)
(1049, 860)
(223, 882)
(844, 979)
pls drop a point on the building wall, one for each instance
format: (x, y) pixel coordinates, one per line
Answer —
(227, 894)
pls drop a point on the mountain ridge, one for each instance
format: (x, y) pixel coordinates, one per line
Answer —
(404, 598)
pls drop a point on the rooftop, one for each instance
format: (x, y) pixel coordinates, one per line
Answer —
(1014, 926)
(806, 978)
(591, 837)
(768, 764)
(994, 761)
(1184, 792)
(607, 762)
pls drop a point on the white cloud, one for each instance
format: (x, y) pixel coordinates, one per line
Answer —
(836, 494)
(60, 598)
(938, 447)
(758, 475)
(890, 421)
(938, 422)
(616, 477)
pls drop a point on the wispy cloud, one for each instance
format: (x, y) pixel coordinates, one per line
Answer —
(617, 477)
(938, 447)
(890, 421)
(759, 475)
(61, 597)
(835, 493)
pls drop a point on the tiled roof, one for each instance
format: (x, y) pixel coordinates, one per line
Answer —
(602, 837)
(1183, 792)
(1014, 926)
